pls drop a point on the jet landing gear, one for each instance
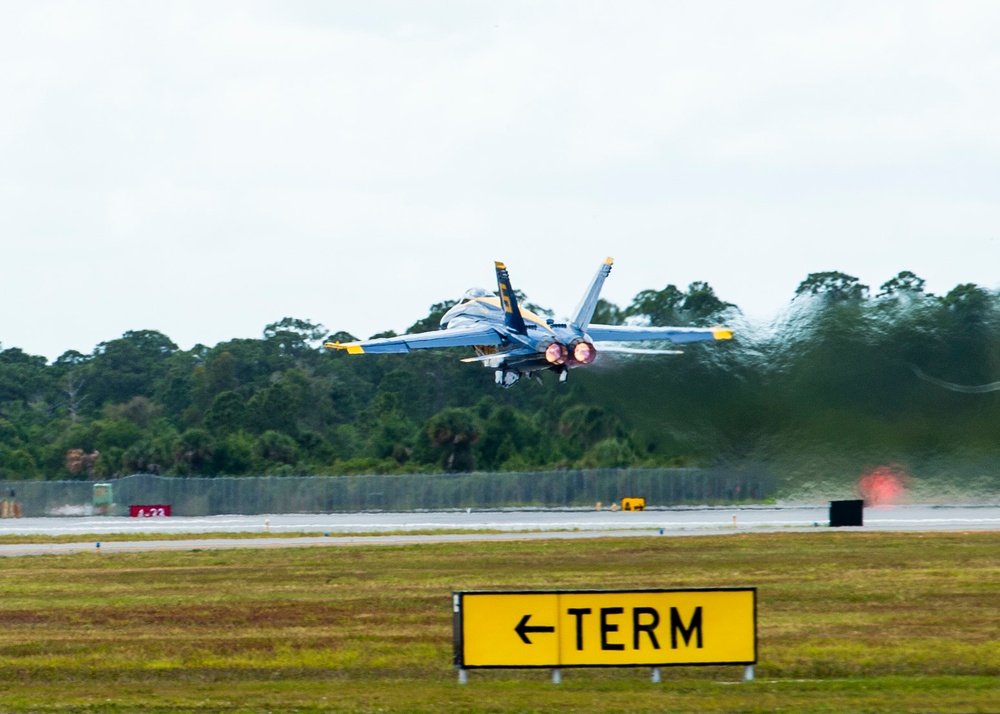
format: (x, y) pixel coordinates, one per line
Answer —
(507, 379)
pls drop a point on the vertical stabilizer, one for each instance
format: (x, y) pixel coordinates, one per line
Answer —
(585, 312)
(508, 301)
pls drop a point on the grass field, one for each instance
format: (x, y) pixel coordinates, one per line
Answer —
(847, 622)
(225, 535)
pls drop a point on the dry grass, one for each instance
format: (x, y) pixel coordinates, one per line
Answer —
(847, 622)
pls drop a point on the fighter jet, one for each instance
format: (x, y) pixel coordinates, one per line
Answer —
(517, 343)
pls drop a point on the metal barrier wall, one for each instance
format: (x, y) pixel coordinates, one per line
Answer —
(251, 495)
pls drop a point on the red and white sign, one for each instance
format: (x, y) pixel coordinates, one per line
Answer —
(149, 511)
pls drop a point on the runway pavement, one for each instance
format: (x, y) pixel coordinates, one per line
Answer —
(336, 529)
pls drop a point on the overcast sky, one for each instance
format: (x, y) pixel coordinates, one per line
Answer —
(205, 168)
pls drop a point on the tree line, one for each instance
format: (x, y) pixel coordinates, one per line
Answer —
(884, 374)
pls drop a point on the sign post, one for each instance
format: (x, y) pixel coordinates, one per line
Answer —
(605, 628)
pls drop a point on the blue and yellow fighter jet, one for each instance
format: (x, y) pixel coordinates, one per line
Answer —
(518, 343)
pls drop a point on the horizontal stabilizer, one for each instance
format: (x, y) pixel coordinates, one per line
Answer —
(618, 349)
(498, 355)
(679, 335)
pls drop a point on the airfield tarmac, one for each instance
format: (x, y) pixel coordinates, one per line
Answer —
(396, 528)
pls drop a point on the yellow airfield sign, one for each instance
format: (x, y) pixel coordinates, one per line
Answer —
(605, 628)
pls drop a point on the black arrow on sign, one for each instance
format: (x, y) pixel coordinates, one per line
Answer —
(523, 629)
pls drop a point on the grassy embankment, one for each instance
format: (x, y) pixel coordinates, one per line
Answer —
(847, 622)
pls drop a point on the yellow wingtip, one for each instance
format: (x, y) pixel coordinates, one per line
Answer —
(722, 333)
(609, 260)
(500, 266)
(352, 349)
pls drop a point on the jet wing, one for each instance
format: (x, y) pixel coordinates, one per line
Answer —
(454, 337)
(629, 333)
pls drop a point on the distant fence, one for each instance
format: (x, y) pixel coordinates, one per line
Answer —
(252, 495)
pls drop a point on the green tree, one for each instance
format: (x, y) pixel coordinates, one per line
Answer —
(659, 307)
(175, 388)
(234, 454)
(701, 305)
(23, 377)
(127, 367)
(582, 426)
(505, 433)
(832, 285)
(607, 313)
(146, 456)
(141, 411)
(341, 337)
(18, 465)
(221, 373)
(117, 433)
(454, 431)
(433, 319)
(905, 282)
(292, 336)
(273, 408)
(391, 433)
(227, 413)
(276, 448)
(193, 452)
(609, 453)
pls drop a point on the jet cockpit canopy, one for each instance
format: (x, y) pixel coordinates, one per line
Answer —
(473, 293)
(471, 308)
